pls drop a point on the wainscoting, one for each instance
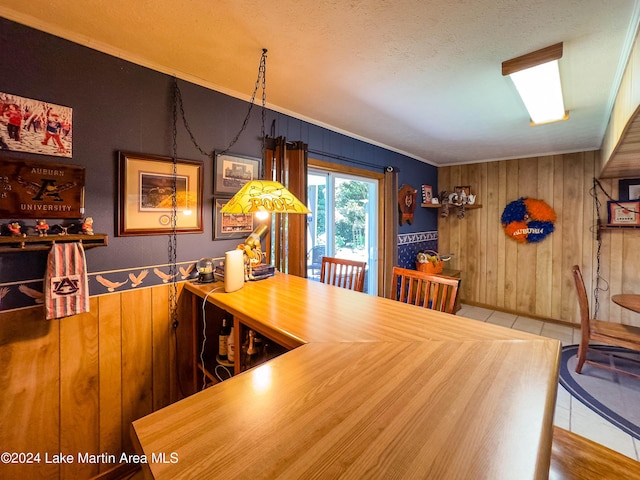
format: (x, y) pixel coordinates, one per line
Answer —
(74, 385)
(535, 279)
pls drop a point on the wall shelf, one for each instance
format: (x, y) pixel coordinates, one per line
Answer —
(31, 243)
(619, 227)
(607, 226)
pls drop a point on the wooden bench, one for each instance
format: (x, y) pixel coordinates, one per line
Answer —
(576, 458)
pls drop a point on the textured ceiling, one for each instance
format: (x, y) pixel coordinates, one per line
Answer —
(421, 77)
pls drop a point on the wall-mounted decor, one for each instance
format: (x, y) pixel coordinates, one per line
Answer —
(462, 191)
(528, 220)
(624, 213)
(232, 172)
(427, 194)
(407, 203)
(230, 225)
(629, 189)
(35, 126)
(145, 190)
(40, 190)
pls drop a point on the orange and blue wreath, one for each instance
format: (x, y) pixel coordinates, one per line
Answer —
(528, 220)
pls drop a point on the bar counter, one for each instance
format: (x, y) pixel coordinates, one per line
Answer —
(372, 388)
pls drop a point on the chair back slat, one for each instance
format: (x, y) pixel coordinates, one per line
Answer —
(343, 273)
(437, 292)
(583, 300)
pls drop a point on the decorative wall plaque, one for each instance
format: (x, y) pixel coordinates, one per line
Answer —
(407, 203)
(40, 190)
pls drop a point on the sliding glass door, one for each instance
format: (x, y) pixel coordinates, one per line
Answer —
(343, 223)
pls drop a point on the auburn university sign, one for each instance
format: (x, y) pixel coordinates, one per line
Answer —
(40, 190)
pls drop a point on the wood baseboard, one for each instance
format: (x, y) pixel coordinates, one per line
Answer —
(521, 314)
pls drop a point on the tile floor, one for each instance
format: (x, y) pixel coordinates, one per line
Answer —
(570, 413)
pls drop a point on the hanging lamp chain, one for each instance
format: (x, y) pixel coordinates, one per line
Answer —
(173, 237)
(178, 100)
(178, 105)
(260, 81)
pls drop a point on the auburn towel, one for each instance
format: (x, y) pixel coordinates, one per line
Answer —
(66, 287)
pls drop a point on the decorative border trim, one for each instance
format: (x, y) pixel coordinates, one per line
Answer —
(417, 237)
(29, 292)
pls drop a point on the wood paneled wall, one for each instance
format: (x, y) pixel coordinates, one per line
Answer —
(535, 279)
(619, 150)
(74, 385)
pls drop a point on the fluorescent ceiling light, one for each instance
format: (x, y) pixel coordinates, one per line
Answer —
(537, 79)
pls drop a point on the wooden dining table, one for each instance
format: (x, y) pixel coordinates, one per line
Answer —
(371, 388)
(630, 301)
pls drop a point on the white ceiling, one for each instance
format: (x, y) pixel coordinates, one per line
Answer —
(422, 77)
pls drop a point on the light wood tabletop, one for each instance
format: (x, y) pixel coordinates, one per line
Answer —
(372, 389)
(630, 301)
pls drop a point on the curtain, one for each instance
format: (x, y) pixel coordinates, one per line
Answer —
(390, 227)
(286, 162)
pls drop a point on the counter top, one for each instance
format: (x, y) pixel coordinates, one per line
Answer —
(373, 388)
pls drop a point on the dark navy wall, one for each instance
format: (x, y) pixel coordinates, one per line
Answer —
(118, 105)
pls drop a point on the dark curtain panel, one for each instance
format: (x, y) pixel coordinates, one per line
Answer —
(390, 227)
(286, 162)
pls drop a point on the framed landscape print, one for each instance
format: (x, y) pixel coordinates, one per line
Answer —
(230, 225)
(146, 184)
(232, 172)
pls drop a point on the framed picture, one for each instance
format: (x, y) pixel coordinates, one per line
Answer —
(427, 193)
(466, 189)
(36, 126)
(232, 172)
(629, 189)
(146, 184)
(230, 225)
(624, 213)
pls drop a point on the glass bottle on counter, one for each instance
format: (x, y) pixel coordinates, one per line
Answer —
(223, 338)
(249, 350)
(231, 347)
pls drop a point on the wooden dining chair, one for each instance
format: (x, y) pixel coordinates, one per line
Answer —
(600, 331)
(437, 292)
(343, 273)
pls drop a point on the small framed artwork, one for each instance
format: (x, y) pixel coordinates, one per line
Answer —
(146, 184)
(624, 213)
(230, 225)
(629, 189)
(232, 172)
(427, 193)
(466, 190)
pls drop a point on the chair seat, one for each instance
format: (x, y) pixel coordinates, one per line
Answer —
(610, 333)
(624, 335)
